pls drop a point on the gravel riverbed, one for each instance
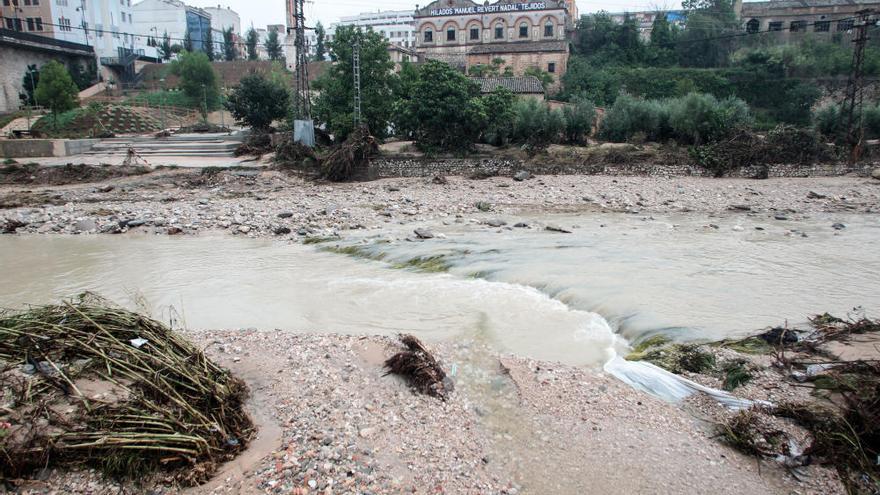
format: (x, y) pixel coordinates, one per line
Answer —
(266, 203)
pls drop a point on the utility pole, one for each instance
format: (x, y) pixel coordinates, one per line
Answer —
(303, 126)
(356, 70)
(301, 70)
(852, 104)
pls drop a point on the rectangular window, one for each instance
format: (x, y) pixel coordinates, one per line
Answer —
(35, 2)
(798, 26)
(548, 30)
(15, 2)
(822, 26)
(31, 24)
(27, 2)
(499, 32)
(61, 3)
(39, 22)
(845, 25)
(64, 24)
(551, 67)
(450, 35)
(475, 33)
(429, 36)
(774, 26)
(523, 31)
(6, 3)
(9, 23)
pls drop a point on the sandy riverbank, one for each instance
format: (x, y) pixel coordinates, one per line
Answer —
(267, 203)
(333, 423)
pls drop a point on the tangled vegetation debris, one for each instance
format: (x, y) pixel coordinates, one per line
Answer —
(842, 420)
(88, 383)
(354, 153)
(417, 365)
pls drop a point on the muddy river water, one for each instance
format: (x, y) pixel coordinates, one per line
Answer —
(576, 298)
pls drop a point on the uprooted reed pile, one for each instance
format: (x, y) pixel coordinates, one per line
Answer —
(843, 421)
(420, 369)
(87, 383)
(355, 152)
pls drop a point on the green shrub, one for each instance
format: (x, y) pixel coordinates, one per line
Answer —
(579, 118)
(827, 120)
(536, 125)
(871, 116)
(630, 115)
(701, 118)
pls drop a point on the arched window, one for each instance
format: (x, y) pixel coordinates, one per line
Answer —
(753, 26)
(548, 30)
(429, 36)
(450, 34)
(523, 30)
(499, 31)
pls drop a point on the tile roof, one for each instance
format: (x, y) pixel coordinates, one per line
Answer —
(521, 47)
(518, 85)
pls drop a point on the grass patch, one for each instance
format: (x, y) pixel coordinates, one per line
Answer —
(427, 264)
(355, 251)
(9, 161)
(736, 373)
(748, 345)
(677, 358)
(318, 240)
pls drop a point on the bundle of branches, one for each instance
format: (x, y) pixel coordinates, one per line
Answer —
(790, 144)
(88, 383)
(830, 327)
(419, 368)
(257, 143)
(742, 149)
(355, 152)
(290, 152)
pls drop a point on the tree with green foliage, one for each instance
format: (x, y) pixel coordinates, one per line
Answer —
(545, 77)
(29, 83)
(403, 122)
(257, 102)
(320, 50)
(447, 107)
(335, 104)
(704, 41)
(661, 48)
(605, 42)
(84, 75)
(56, 90)
(165, 48)
(208, 43)
(187, 41)
(198, 80)
(499, 115)
(273, 46)
(228, 45)
(251, 41)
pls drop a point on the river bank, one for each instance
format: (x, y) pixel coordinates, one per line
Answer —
(337, 424)
(268, 204)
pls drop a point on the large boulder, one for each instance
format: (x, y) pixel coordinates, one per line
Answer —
(876, 173)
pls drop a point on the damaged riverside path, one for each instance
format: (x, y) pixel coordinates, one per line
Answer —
(519, 316)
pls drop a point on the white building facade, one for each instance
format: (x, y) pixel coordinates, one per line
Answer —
(397, 26)
(154, 18)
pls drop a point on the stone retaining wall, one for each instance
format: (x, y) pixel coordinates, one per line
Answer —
(386, 167)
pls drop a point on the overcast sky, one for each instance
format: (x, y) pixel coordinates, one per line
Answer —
(263, 12)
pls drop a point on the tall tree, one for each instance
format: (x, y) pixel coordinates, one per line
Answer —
(447, 107)
(334, 106)
(251, 40)
(209, 44)
(257, 102)
(187, 41)
(661, 49)
(320, 51)
(29, 83)
(197, 80)
(273, 46)
(56, 90)
(703, 42)
(165, 47)
(228, 45)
